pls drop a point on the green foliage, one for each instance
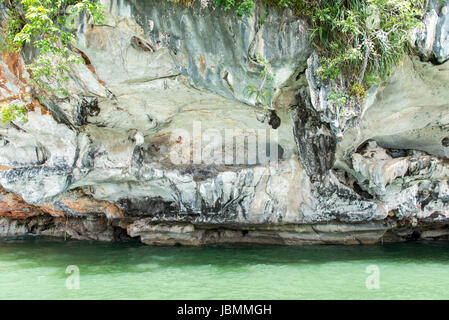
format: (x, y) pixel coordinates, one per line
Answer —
(263, 92)
(339, 99)
(263, 19)
(362, 40)
(358, 91)
(45, 25)
(285, 3)
(358, 38)
(12, 112)
(240, 7)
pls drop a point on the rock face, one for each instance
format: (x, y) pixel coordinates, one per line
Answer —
(431, 41)
(157, 141)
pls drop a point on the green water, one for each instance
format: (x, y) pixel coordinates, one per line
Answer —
(36, 269)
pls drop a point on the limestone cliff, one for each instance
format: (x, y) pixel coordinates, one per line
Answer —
(98, 164)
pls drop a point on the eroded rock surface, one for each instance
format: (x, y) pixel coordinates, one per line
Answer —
(161, 77)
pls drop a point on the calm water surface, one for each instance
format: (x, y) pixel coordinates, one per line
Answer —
(35, 268)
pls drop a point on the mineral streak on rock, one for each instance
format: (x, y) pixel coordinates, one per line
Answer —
(97, 165)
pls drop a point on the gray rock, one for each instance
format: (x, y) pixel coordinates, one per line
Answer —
(432, 41)
(159, 76)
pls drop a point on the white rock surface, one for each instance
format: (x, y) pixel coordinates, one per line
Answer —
(155, 80)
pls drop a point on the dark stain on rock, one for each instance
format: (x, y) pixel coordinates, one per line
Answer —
(356, 187)
(445, 142)
(121, 235)
(88, 63)
(147, 206)
(200, 172)
(315, 140)
(139, 43)
(88, 107)
(275, 121)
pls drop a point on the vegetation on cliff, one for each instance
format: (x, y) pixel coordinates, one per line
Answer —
(45, 25)
(360, 41)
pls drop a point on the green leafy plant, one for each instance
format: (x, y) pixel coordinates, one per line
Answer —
(285, 3)
(361, 40)
(339, 98)
(240, 7)
(12, 112)
(358, 91)
(45, 26)
(358, 38)
(262, 92)
(263, 19)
